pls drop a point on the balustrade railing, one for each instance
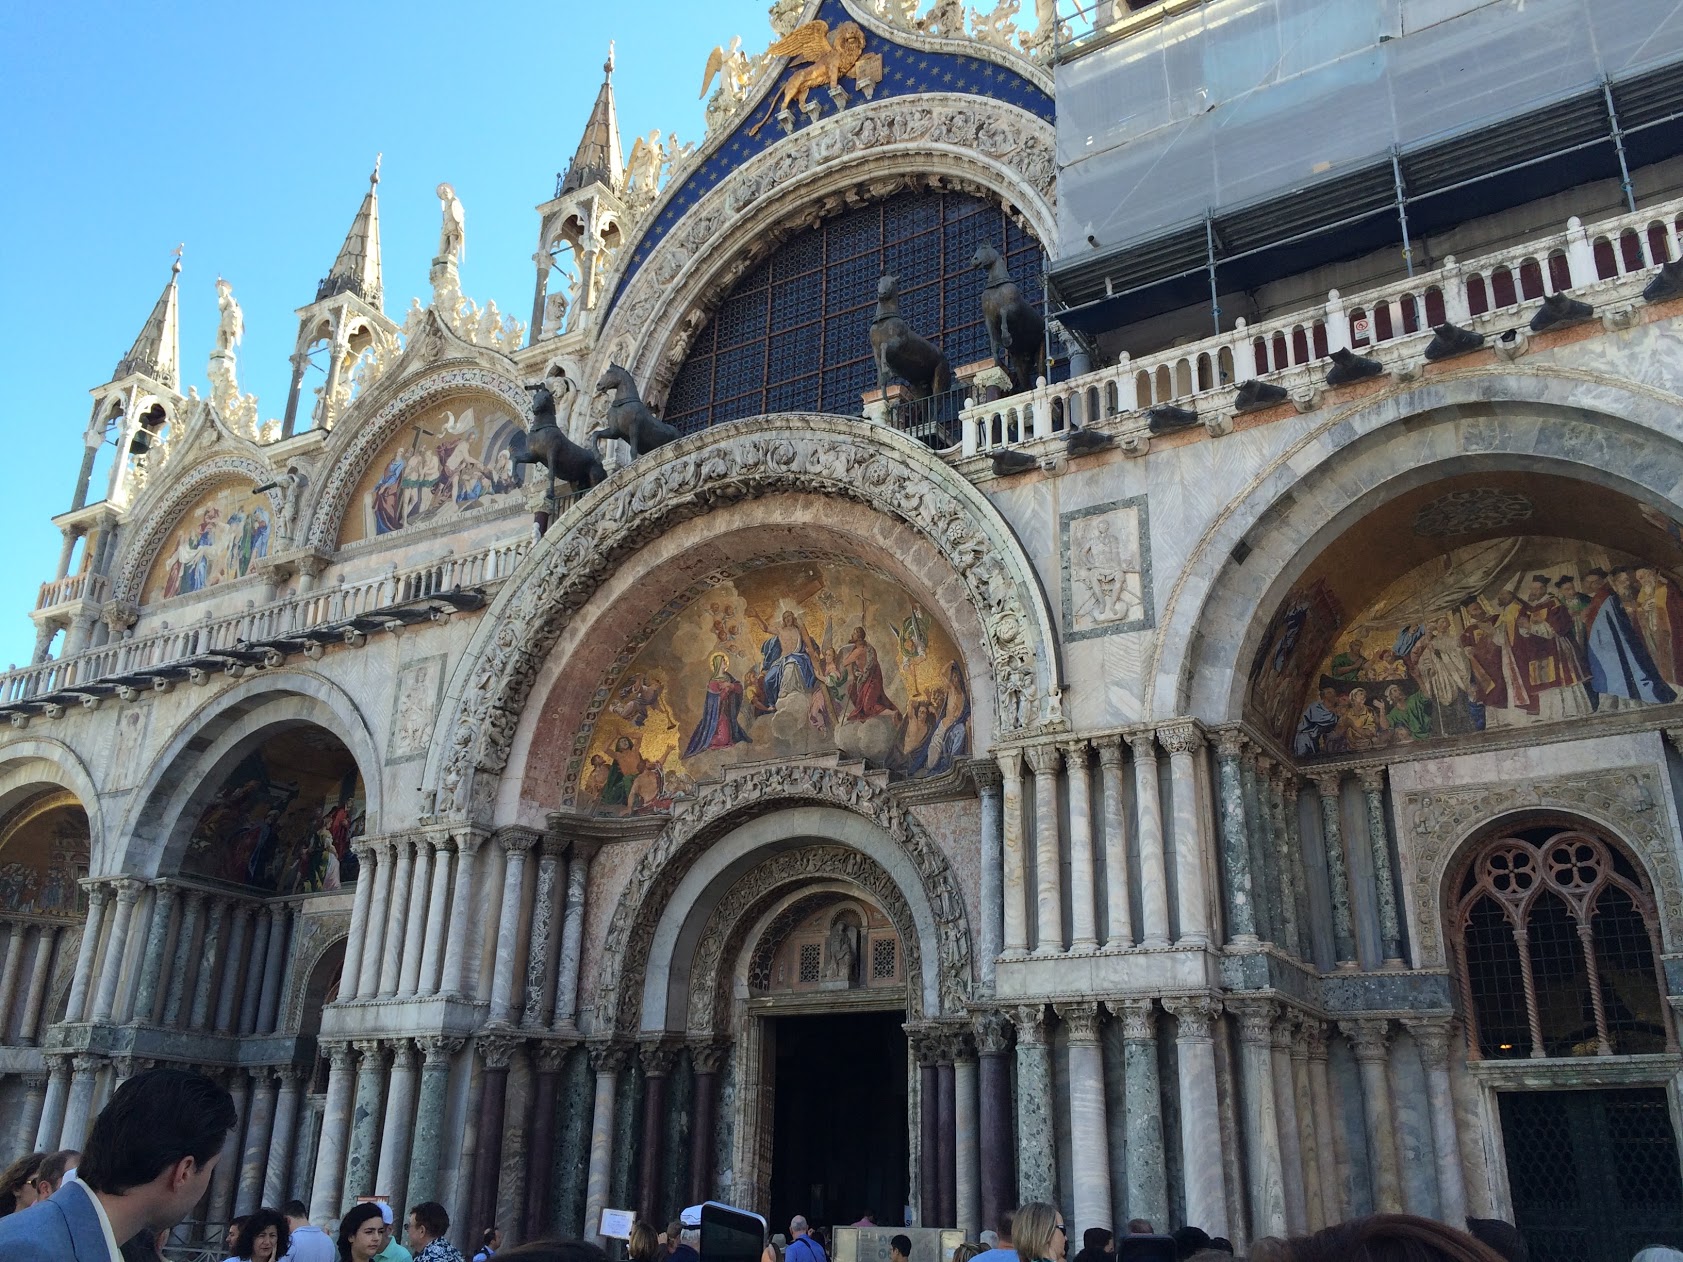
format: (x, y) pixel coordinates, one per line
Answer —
(1605, 263)
(73, 587)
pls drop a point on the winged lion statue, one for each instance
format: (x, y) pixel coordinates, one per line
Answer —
(821, 60)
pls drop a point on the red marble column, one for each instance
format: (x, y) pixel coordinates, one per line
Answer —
(658, 1059)
(540, 1152)
(925, 1045)
(706, 1059)
(999, 1148)
(946, 1134)
(497, 1051)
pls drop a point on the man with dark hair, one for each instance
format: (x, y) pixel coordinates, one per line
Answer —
(147, 1163)
(428, 1223)
(1004, 1251)
(309, 1242)
(900, 1249)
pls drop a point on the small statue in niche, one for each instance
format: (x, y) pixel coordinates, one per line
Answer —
(629, 417)
(1016, 332)
(545, 444)
(902, 353)
(841, 951)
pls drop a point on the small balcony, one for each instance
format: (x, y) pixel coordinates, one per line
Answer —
(72, 588)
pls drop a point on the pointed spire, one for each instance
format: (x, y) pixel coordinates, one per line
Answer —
(157, 351)
(357, 268)
(599, 160)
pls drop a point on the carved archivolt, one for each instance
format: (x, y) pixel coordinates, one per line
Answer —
(1626, 801)
(768, 455)
(721, 807)
(161, 517)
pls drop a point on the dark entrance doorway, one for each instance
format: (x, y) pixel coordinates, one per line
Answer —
(839, 1118)
(1594, 1174)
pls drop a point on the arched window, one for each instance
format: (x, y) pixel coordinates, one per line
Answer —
(1559, 944)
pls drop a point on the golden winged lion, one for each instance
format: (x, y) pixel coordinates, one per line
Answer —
(821, 59)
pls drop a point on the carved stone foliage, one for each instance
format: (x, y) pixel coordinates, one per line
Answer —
(157, 519)
(734, 916)
(785, 453)
(720, 807)
(1627, 801)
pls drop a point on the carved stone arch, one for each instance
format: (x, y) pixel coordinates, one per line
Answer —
(831, 456)
(161, 511)
(996, 148)
(1614, 434)
(318, 937)
(34, 761)
(359, 437)
(188, 769)
(743, 801)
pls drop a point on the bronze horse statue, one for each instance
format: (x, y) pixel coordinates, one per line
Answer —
(629, 417)
(1016, 332)
(545, 444)
(902, 353)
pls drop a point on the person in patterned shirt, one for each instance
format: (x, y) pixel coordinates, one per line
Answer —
(427, 1225)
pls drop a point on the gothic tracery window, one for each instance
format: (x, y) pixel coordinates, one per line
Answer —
(1559, 944)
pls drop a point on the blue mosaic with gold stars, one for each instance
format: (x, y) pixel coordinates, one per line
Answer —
(905, 72)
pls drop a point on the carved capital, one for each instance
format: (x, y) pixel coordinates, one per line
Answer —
(1290, 787)
(1083, 1020)
(1369, 1037)
(127, 890)
(708, 1058)
(290, 1076)
(551, 1055)
(1181, 738)
(961, 1044)
(1110, 752)
(1043, 760)
(405, 1055)
(1010, 762)
(374, 1052)
(1030, 1020)
(34, 1082)
(1139, 1019)
(437, 1049)
(609, 1058)
(1144, 745)
(658, 1058)
(993, 1033)
(1256, 1019)
(1327, 783)
(1265, 767)
(1432, 1036)
(517, 840)
(340, 1058)
(497, 1050)
(552, 848)
(1372, 779)
(985, 775)
(1194, 1014)
(1230, 744)
(125, 1066)
(1313, 1032)
(85, 1063)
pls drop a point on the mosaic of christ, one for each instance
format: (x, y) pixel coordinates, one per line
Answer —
(787, 661)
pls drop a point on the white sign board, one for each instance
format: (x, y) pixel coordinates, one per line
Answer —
(616, 1223)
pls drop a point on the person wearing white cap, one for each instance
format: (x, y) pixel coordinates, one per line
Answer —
(391, 1251)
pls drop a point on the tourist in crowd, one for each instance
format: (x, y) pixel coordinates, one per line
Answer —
(1190, 1240)
(1039, 1232)
(802, 1246)
(309, 1243)
(391, 1250)
(262, 1237)
(490, 1240)
(1096, 1245)
(148, 1162)
(969, 1251)
(867, 1219)
(362, 1234)
(1500, 1236)
(17, 1188)
(1001, 1250)
(689, 1244)
(1141, 1227)
(900, 1249)
(231, 1237)
(54, 1169)
(643, 1245)
(670, 1237)
(427, 1226)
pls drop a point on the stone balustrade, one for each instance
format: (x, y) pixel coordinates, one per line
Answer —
(73, 587)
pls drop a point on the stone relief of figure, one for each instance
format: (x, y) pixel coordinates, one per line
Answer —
(841, 951)
(643, 169)
(452, 239)
(1104, 572)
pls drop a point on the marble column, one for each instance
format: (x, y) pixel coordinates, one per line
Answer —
(379, 907)
(1044, 760)
(1327, 1126)
(53, 1104)
(1014, 863)
(277, 1175)
(946, 1134)
(1083, 888)
(515, 845)
(34, 1003)
(1291, 940)
(428, 1142)
(210, 949)
(1036, 1150)
(706, 1060)
(1154, 876)
(402, 850)
(29, 1115)
(1205, 1197)
(967, 1176)
(1235, 839)
(251, 996)
(1370, 1038)
(81, 981)
(78, 1107)
(416, 924)
(1089, 1129)
(539, 1007)
(658, 1059)
(607, 1060)
(177, 999)
(367, 873)
(993, 1084)
(116, 950)
(259, 1136)
(1379, 840)
(1144, 1156)
(929, 1124)
(363, 1154)
(1285, 1112)
(1119, 914)
(547, 1059)
(1261, 1119)
(1310, 1138)
(1183, 741)
(9, 975)
(1338, 874)
(1264, 876)
(391, 1177)
(328, 1187)
(572, 934)
(497, 1051)
(233, 967)
(152, 962)
(1290, 788)
(1432, 1036)
(988, 940)
(280, 947)
(438, 907)
(225, 1179)
(462, 914)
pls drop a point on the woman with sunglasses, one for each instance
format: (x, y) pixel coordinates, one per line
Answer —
(1039, 1233)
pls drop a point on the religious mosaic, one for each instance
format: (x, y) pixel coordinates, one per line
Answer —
(1507, 633)
(788, 661)
(218, 539)
(285, 817)
(43, 857)
(444, 465)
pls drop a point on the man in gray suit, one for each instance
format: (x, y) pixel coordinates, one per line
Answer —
(147, 1163)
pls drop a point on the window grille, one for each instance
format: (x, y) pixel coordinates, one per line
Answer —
(1559, 945)
(809, 961)
(883, 954)
(794, 333)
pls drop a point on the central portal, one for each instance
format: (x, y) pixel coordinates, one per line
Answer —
(839, 1118)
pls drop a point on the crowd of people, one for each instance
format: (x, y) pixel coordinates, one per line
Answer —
(153, 1149)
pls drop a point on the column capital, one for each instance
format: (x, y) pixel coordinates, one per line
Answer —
(86, 1063)
(405, 1055)
(993, 1032)
(35, 1081)
(1256, 1019)
(1432, 1036)
(98, 892)
(1230, 744)
(1265, 766)
(497, 1050)
(517, 840)
(609, 1058)
(437, 1049)
(339, 1056)
(1290, 787)
(552, 848)
(581, 850)
(708, 1058)
(1195, 1014)
(550, 1055)
(1110, 751)
(468, 843)
(1075, 751)
(127, 890)
(365, 848)
(1327, 783)
(1139, 1019)
(1285, 1030)
(1030, 1020)
(1010, 763)
(961, 1043)
(1372, 779)
(985, 774)
(1083, 1019)
(58, 1064)
(1313, 1033)
(291, 1075)
(925, 1043)
(1144, 745)
(1369, 1037)
(125, 1066)
(1675, 736)
(373, 1052)
(1043, 760)
(658, 1056)
(1181, 738)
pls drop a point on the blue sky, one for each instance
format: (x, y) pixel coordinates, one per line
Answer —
(248, 132)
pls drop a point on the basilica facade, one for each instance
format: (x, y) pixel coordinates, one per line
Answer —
(1227, 778)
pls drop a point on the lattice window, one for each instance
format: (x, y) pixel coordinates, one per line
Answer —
(810, 956)
(1559, 944)
(884, 959)
(794, 333)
